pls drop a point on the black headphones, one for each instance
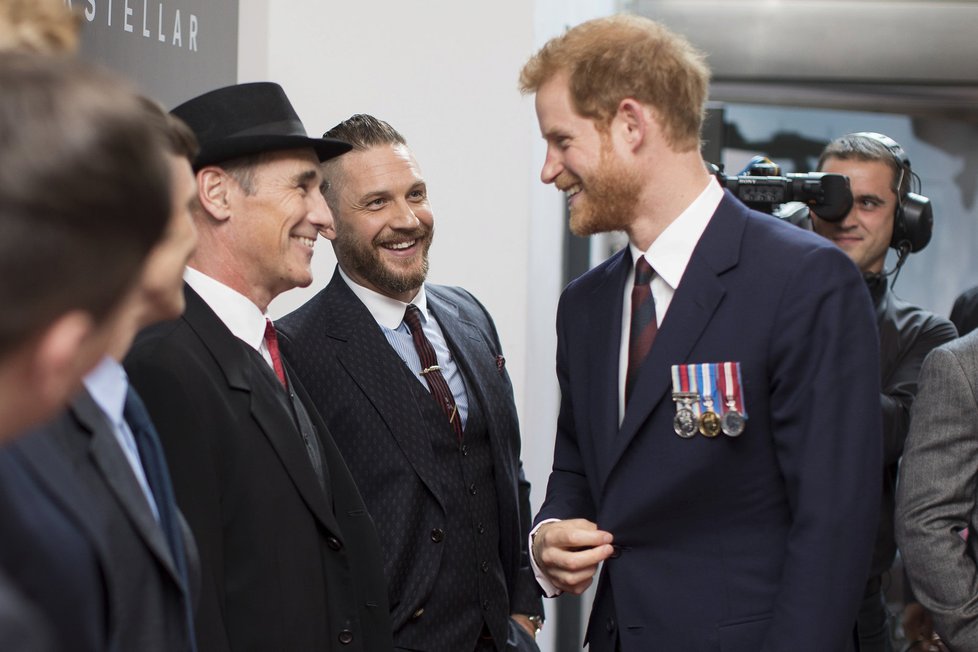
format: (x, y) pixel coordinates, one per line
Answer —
(913, 220)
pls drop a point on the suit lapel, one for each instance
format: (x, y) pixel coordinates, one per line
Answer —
(349, 322)
(700, 292)
(242, 369)
(118, 475)
(479, 366)
(602, 323)
(50, 463)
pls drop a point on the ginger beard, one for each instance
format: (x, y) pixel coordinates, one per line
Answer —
(366, 258)
(609, 196)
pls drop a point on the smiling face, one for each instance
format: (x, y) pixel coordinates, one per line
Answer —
(866, 231)
(602, 192)
(277, 224)
(384, 224)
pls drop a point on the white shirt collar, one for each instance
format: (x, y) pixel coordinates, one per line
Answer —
(108, 385)
(238, 312)
(670, 252)
(388, 312)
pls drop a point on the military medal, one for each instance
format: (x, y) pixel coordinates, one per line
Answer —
(709, 422)
(733, 421)
(685, 422)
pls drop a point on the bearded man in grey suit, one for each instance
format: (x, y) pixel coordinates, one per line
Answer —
(937, 493)
(442, 478)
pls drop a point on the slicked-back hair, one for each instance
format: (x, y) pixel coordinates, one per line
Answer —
(855, 147)
(84, 192)
(362, 131)
(610, 59)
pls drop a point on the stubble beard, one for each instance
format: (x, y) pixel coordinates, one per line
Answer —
(364, 260)
(609, 200)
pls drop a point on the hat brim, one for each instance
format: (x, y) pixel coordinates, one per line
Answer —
(237, 146)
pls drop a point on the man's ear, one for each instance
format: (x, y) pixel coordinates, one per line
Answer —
(59, 358)
(632, 122)
(214, 187)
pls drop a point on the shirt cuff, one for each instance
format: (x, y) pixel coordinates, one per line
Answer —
(549, 589)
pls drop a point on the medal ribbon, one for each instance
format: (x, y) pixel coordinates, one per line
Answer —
(732, 388)
(708, 373)
(691, 371)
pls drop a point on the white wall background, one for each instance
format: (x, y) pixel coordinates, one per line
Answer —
(444, 73)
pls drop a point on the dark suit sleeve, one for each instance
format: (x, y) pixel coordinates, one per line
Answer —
(568, 493)
(824, 374)
(176, 400)
(900, 387)
(936, 495)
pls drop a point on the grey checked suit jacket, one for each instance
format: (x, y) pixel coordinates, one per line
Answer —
(937, 492)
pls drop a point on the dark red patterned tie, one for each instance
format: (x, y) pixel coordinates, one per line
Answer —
(431, 371)
(271, 341)
(643, 328)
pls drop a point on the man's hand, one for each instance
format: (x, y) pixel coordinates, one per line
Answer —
(569, 552)
(918, 628)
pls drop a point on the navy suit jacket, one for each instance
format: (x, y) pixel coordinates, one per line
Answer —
(760, 542)
(122, 590)
(354, 375)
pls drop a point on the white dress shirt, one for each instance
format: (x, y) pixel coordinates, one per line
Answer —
(235, 310)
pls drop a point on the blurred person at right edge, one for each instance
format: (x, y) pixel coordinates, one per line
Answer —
(886, 214)
(718, 442)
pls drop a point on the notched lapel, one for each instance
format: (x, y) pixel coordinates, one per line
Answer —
(389, 396)
(272, 412)
(110, 460)
(700, 293)
(479, 366)
(601, 322)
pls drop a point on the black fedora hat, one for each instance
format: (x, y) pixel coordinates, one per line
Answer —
(247, 119)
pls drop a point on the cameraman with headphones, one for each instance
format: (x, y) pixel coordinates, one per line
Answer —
(885, 214)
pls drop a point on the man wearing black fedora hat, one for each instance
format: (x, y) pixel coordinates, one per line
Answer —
(290, 558)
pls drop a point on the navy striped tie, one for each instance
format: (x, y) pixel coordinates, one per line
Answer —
(643, 328)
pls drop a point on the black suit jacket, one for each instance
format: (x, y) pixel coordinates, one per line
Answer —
(353, 376)
(285, 566)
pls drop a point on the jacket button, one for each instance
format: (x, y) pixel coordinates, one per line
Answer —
(615, 552)
(345, 637)
(481, 528)
(485, 605)
(465, 450)
(472, 488)
(484, 566)
(610, 625)
(437, 535)
(334, 543)
(417, 614)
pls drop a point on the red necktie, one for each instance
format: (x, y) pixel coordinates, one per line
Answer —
(271, 341)
(643, 328)
(431, 371)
